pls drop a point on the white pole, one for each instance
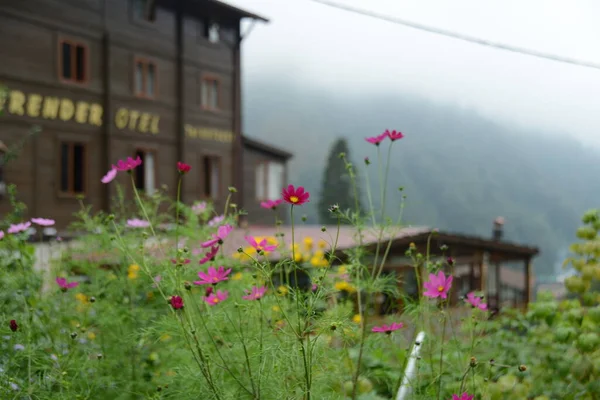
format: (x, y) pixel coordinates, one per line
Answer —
(411, 368)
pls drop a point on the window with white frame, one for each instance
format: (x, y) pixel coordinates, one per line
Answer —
(145, 175)
(269, 180)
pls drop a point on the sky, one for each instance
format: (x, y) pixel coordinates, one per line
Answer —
(353, 54)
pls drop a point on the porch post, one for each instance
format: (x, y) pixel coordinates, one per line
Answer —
(528, 279)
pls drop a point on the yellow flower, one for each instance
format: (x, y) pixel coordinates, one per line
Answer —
(342, 269)
(343, 285)
(276, 308)
(165, 337)
(412, 246)
(246, 255)
(318, 259)
(237, 276)
(91, 335)
(82, 298)
(280, 324)
(357, 319)
(282, 290)
(322, 244)
(132, 271)
(308, 243)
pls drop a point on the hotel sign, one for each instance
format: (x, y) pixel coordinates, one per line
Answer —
(196, 132)
(64, 109)
(52, 108)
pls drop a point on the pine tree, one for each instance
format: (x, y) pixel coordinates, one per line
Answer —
(336, 186)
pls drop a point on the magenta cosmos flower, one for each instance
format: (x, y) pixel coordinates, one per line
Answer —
(295, 196)
(475, 301)
(438, 285)
(110, 175)
(376, 140)
(216, 298)
(176, 302)
(210, 255)
(394, 326)
(62, 282)
(394, 135)
(128, 164)
(255, 294)
(271, 204)
(464, 396)
(183, 168)
(16, 228)
(260, 246)
(218, 237)
(212, 276)
(137, 223)
(43, 221)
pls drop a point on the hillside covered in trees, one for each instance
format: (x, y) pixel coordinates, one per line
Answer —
(460, 170)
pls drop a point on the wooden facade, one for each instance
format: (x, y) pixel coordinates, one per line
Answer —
(108, 79)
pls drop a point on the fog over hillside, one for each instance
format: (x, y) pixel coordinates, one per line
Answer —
(460, 170)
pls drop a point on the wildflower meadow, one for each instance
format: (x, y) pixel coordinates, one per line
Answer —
(153, 301)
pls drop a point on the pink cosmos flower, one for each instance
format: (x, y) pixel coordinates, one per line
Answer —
(314, 287)
(260, 246)
(176, 302)
(212, 276)
(295, 196)
(256, 294)
(475, 301)
(464, 396)
(199, 207)
(43, 221)
(216, 220)
(110, 175)
(221, 234)
(208, 291)
(393, 135)
(216, 298)
(137, 223)
(376, 140)
(438, 286)
(210, 255)
(16, 228)
(128, 164)
(388, 328)
(271, 204)
(62, 282)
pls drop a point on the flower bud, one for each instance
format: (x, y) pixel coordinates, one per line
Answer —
(187, 285)
(92, 299)
(522, 368)
(74, 335)
(323, 229)
(232, 189)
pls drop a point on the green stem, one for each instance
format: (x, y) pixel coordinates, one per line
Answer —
(139, 200)
(383, 188)
(442, 355)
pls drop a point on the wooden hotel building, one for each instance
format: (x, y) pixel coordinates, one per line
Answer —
(108, 79)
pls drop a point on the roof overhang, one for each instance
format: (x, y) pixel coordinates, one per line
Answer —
(266, 148)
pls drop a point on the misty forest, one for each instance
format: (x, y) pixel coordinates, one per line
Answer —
(460, 171)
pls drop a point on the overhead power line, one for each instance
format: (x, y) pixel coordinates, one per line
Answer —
(460, 36)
